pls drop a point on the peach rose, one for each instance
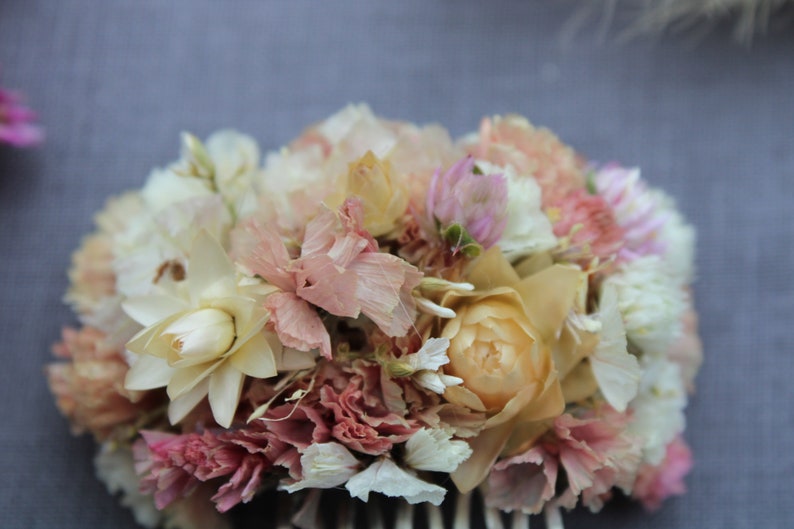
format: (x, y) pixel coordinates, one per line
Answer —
(509, 345)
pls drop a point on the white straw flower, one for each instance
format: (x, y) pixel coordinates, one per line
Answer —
(651, 302)
(658, 410)
(202, 339)
(435, 450)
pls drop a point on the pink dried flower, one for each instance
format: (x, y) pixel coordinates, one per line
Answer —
(656, 483)
(341, 271)
(594, 451)
(16, 121)
(364, 421)
(90, 387)
(475, 202)
(588, 226)
(173, 465)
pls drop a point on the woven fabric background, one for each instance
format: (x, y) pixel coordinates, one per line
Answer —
(115, 82)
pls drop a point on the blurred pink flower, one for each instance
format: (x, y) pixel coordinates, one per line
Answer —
(89, 387)
(172, 465)
(636, 209)
(534, 152)
(474, 201)
(595, 453)
(656, 483)
(16, 121)
(588, 223)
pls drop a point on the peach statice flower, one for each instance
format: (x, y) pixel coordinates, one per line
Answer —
(17, 127)
(89, 388)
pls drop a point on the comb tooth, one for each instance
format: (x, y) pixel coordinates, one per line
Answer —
(374, 515)
(463, 511)
(346, 515)
(283, 508)
(435, 519)
(553, 517)
(404, 516)
(520, 520)
(493, 520)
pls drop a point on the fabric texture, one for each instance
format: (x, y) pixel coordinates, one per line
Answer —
(710, 122)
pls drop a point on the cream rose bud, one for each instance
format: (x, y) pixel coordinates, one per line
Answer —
(201, 335)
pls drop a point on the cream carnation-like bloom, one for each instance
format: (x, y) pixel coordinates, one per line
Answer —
(203, 338)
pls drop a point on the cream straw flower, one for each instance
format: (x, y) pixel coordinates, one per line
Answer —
(202, 339)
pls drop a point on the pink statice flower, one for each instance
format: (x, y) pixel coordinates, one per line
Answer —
(89, 386)
(173, 465)
(595, 453)
(339, 270)
(656, 483)
(464, 198)
(636, 209)
(17, 126)
(587, 225)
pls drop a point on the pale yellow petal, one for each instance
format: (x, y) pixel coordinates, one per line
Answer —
(148, 310)
(210, 272)
(492, 270)
(226, 384)
(255, 358)
(548, 296)
(185, 379)
(486, 447)
(148, 372)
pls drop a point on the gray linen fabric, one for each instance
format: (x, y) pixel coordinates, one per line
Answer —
(116, 81)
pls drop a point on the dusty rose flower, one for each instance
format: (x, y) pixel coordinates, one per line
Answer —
(594, 452)
(90, 387)
(504, 345)
(362, 418)
(588, 225)
(656, 483)
(17, 126)
(532, 152)
(172, 466)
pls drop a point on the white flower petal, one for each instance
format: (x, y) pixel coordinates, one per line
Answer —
(615, 369)
(431, 356)
(387, 478)
(148, 372)
(435, 450)
(226, 384)
(323, 466)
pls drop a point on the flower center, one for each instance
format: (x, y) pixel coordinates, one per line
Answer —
(202, 335)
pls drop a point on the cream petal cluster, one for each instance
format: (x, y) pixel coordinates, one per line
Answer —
(201, 339)
(386, 477)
